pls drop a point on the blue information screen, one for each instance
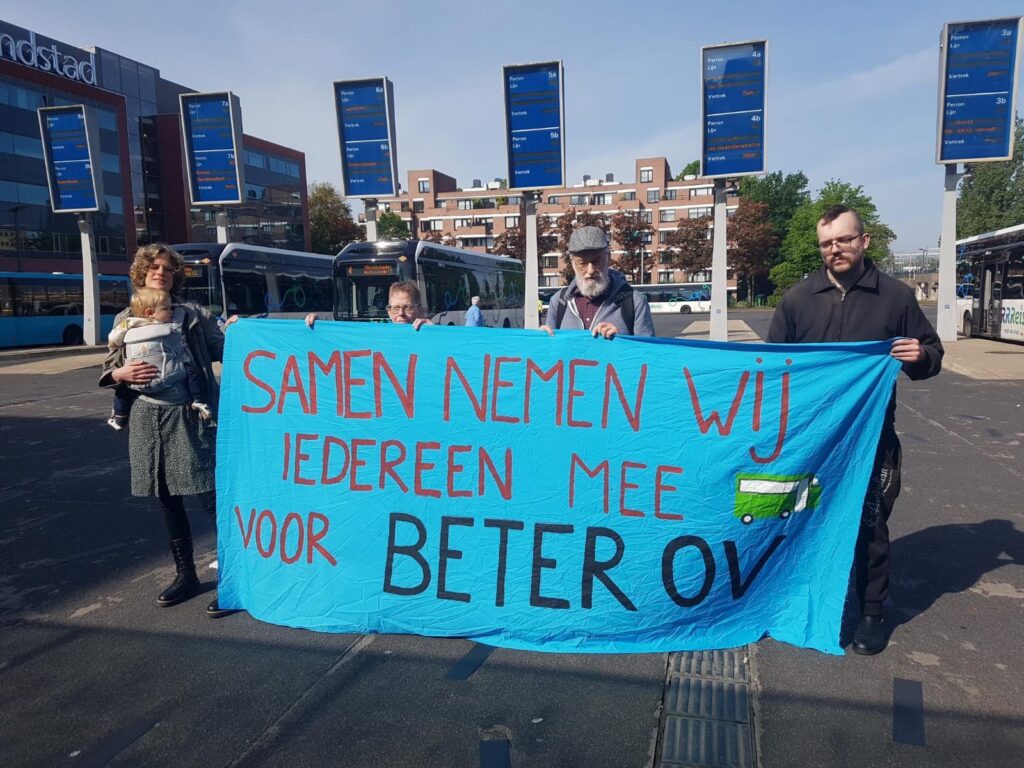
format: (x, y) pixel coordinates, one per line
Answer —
(533, 114)
(977, 110)
(211, 150)
(67, 149)
(733, 95)
(365, 129)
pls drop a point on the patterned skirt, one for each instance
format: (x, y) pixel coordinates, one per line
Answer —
(170, 441)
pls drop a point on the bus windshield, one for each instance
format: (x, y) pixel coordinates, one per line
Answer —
(203, 287)
(362, 290)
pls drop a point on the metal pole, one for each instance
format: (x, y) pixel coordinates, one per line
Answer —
(90, 284)
(222, 227)
(531, 317)
(370, 204)
(719, 301)
(947, 257)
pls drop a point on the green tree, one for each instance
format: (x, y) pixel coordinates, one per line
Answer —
(783, 194)
(992, 196)
(391, 227)
(692, 168)
(331, 226)
(800, 253)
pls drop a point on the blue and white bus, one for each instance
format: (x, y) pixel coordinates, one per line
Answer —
(254, 281)
(39, 308)
(448, 278)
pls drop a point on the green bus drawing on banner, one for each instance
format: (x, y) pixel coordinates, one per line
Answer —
(764, 496)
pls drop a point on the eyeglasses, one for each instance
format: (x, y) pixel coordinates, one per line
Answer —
(161, 268)
(842, 242)
(581, 263)
(396, 309)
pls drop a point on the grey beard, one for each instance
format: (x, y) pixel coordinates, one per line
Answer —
(593, 288)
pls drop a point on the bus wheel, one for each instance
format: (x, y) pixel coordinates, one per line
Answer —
(684, 310)
(72, 336)
(747, 519)
(968, 324)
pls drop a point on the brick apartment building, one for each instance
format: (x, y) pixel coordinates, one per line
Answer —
(474, 217)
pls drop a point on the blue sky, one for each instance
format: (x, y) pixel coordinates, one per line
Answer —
(852, 86)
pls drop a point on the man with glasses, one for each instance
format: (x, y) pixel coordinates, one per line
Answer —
(598, 299)
(405, 307)
(848, 299)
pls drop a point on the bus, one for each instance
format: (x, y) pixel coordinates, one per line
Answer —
(683, 298)
(46, 308)
(990, 280)
(447, 277)
(253, 281)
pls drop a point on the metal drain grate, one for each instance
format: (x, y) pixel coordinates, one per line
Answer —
(707, 711)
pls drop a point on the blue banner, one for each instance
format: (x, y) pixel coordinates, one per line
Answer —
(557, 494)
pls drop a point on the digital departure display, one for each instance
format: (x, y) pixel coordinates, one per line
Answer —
(366, 131)
(212, 137)
(371, 270)
(69, 166)
(733, 96)
(533, 123)
(978, 86)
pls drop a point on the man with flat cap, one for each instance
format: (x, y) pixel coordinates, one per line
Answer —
(599, 299)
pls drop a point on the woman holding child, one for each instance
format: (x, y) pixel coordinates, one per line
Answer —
(171, 439)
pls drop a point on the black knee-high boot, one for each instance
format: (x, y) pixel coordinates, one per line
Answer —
(185, 583)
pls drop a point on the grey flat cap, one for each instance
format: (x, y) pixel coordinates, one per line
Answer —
(587, 239)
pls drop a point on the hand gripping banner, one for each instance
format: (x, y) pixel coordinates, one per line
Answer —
(552, 494)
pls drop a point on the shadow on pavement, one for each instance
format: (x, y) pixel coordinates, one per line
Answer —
(948, 559)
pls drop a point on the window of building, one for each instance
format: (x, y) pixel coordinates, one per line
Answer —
(696, 213)
(442, 203)
(417, 206)
(553, 200)
(730, 212)
(653, 195)
(255, 159)
(700, 192)
(604, 199)
(647, 216)
(278, 165)
(466, 205)
(629, 195)
(424, 185)
(549, 262)
(511, 221)
(646, 175)
(664, 276)
(667, 214)
(648, 238)
(579, 200)
(515, 200)
(459, 223)
(665, 236)
(670, 194)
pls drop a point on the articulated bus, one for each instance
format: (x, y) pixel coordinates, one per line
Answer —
(681, 298)
(253, 281)
(43, 308)
(447, 277)
(990, 284)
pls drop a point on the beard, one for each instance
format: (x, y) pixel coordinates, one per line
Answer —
(592, 287)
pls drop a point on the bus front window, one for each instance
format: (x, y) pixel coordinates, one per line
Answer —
(202, 287)
(362, 298)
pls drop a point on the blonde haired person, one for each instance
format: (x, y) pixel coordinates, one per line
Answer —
(149, 334)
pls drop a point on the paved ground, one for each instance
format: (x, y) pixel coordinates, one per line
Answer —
(95, 674)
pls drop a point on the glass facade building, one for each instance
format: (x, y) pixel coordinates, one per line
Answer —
(146, 196)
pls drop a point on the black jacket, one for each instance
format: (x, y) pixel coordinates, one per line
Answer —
(876, 308)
